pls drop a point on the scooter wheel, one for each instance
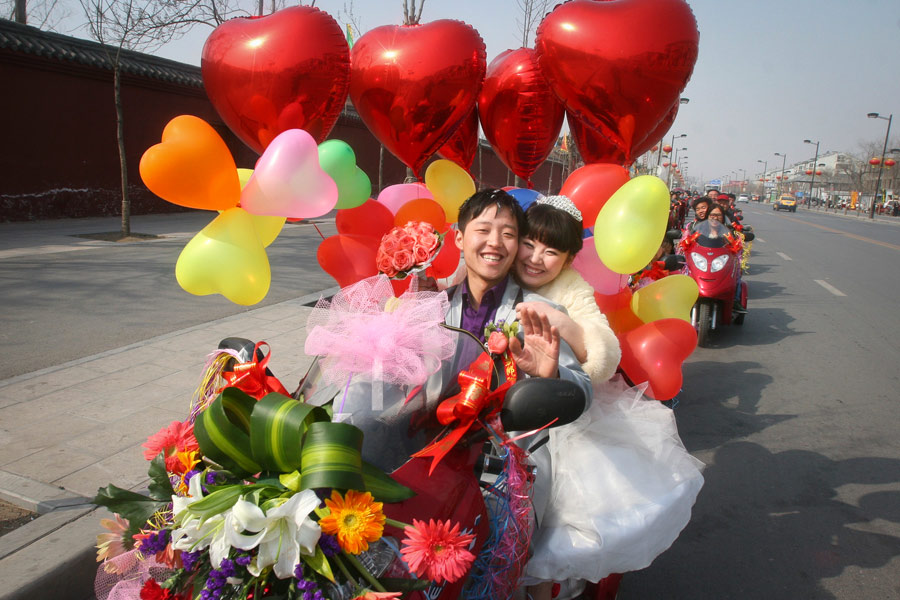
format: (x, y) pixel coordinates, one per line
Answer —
(704, 323)
(739, 319)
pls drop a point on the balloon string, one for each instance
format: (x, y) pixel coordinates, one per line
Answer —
(317, 229)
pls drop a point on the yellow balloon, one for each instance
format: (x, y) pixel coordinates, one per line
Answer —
(668, 298)
(226, 258)
(267, 228)
(631, 225)
(450, 185)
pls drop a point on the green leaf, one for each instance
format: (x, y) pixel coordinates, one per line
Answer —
(222, 431)
(319, 564)
(217, 502)
(290, 480)
(277, 426)
(161, 487)
(332, 457)
(135, 507)
(382, 486)
(399, 584)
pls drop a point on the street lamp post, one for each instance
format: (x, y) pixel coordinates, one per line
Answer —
(681, 100)
(883, 151)
(813, 178)
(674, 161)
(765, 168)
(783, 162)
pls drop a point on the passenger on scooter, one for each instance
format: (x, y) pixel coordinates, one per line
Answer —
(701, 207)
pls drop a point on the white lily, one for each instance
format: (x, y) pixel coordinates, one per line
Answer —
(195, 534)
(289, 532)
(245, 516)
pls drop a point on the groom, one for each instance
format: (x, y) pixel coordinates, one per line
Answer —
(491, 223)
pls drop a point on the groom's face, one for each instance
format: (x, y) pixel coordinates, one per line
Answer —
(489, 244)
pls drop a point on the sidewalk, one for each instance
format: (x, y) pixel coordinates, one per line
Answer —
(67, 430)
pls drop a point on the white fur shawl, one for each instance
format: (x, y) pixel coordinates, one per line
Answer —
(570, 290)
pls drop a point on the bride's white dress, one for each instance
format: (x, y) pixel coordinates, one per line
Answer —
(623, 487)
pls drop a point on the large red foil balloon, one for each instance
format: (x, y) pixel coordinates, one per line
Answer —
(414, 84)
(619, 65)
(592, 145)
(520, 115)
(463, 144)
(289, 70)
(654, 352)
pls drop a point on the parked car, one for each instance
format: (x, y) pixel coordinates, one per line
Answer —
(786, 202)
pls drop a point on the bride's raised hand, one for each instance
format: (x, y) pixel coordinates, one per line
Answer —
(539, 357)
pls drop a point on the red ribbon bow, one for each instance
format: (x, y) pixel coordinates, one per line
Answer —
(464, 408)
(251, 377)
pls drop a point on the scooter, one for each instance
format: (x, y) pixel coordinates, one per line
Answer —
(466, 486)
(713, 256)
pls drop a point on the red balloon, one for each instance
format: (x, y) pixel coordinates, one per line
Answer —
(658, 133)
(348, 258)
(590, 186)
(423, 209)
(617, 308)
(520, 115)
(592, 146)
(400, 285)
(371, 219)
(414, 84)
(463, 144)
(447, 260)
(619, 65)
(289, 70)
(654, 352)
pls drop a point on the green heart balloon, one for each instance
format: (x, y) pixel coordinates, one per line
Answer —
(337, 158)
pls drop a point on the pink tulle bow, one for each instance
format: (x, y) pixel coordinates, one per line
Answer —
(365, 331)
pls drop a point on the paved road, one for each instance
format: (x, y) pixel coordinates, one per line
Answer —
(65, 297)
(796, 416)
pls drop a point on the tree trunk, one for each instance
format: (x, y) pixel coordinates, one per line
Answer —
(380, 168)
(123, 164)
(21, 15)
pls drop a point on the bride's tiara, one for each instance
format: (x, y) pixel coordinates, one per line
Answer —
(562, 203)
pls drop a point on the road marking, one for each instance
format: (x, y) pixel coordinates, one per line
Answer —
(784, 256)
(759, 239)
(849, 235)
(830, 287)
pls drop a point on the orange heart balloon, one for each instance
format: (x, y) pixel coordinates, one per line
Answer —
(192, 166)
(422, 209)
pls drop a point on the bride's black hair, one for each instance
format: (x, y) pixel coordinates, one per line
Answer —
(555, 228)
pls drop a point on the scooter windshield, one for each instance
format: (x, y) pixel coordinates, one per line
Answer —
(396, 420)
(711, 234)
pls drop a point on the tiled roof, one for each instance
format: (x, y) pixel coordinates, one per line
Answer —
(30, 40)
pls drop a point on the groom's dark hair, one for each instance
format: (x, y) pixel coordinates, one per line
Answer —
(478, 202)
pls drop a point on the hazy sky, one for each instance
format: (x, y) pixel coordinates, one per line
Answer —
(770, 73)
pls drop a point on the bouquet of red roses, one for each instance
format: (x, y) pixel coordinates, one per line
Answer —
(408, 249)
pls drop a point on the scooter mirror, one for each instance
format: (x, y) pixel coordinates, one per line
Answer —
(749, 236)
(533, 403)
(673, 234)
(673, 262)
(243, 347)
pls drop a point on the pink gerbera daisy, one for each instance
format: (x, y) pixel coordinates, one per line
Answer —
(177, 437)
(437, 551)
(378, 595)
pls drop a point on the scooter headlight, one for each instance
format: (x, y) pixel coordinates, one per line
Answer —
(699, 261)
(719, 263)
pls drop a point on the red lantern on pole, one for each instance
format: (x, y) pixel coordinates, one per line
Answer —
(889, 162)
(809, 171)
(667, 148)
(778, 177)
(875, 161)
(655, 148)
(820, 172)
(665, 164)
(674, 165)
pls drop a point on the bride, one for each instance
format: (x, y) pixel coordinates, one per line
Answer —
(623, 483)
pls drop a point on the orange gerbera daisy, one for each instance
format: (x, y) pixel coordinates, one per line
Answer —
(436, 550)
(356, 519)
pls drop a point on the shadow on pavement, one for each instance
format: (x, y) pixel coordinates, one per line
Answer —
(774, 525)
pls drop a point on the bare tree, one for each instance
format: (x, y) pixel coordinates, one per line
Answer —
(531, 13)
(410, 15)
(43, 14)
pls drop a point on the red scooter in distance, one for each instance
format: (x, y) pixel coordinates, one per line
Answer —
(713, 256)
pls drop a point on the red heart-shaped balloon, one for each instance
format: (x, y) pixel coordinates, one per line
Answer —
(370, 219)
(654, 352)
(463, 143)
(520, 115)
(619, 65)
(348, 258)
(289, 70)
(414, 84)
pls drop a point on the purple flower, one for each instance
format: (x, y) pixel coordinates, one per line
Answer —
(155, 542)
(329, 545)
(189, 560)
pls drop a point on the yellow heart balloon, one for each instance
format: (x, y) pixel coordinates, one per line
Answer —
(450, 185)
(668, 298)
(631, 225)
(226, 258)
(267, 228)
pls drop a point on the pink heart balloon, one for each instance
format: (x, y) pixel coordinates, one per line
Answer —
(395, 196)
(288, 181)
(599, 276)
